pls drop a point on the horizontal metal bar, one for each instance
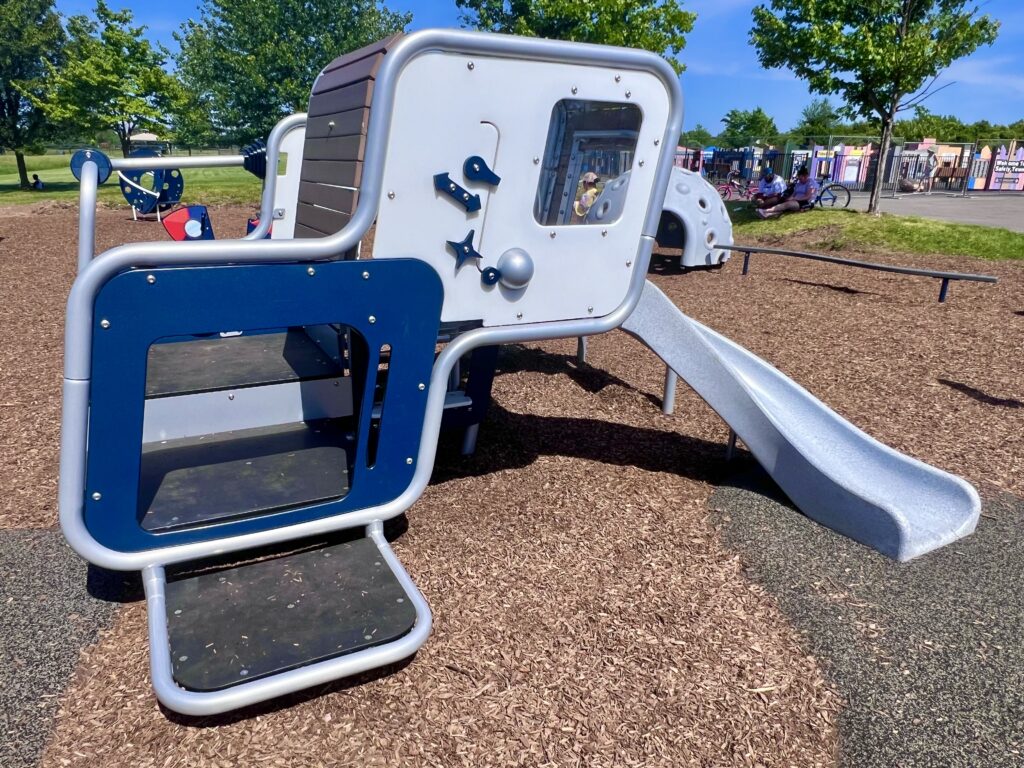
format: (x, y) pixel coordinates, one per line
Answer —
(175, 161)
(863, 264)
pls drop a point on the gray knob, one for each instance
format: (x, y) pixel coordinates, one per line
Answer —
(516, 268)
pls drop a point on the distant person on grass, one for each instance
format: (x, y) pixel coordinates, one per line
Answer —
(37, 183)
(769, 189)
(800, 197)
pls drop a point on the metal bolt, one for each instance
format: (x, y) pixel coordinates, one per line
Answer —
(536, 160)
(104, 324)
(618, 78)
(519, 315)
(590, 310)
(657, 142)
(409, 460)
(422, 386)
(628, 94)
(553, 233)
(88, 154)
(366, 275)
(575, 89)
(470, 66)
(629, 264)
(231, 396)
(310, 271)
(373, 319)
(451, 187)
(476, 166)
(150, 279)
(465, 249)
(330, 124)
(641, 163)
(465, 195)
(604, 233)
(279, 213)
(96, 496)
(391, 194)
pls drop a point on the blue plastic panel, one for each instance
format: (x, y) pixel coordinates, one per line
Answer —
(404, 298)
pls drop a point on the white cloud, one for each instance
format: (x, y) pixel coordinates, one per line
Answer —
(1001, 73)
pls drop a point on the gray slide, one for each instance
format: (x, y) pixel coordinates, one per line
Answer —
(835, 473)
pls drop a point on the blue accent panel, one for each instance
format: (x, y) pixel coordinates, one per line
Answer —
(403, 295)
(167, 182)
(103, 166)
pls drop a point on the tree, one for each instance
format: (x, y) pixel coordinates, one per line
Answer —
(659, 26)
(32, 35)
(817, 120)
(883, 56)
(252, 62)
(698, 136)
(112, 79)
(742, 127)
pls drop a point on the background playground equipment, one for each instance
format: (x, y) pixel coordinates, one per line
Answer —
(223, 398)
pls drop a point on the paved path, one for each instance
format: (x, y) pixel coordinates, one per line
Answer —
(927, 654)
(990, 210)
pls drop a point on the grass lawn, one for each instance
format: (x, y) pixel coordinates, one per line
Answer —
(202, 185)
(831, 230)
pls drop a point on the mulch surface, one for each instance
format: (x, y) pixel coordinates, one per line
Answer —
(586, 609)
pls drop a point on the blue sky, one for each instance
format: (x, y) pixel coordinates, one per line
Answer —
(722, 69)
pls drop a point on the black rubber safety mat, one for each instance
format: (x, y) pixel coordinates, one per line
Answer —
(229, 475)
(208, 365)
(255, 620)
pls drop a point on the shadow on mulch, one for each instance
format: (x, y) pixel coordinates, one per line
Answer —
(927, 654)
(830, 286)
(980, 396)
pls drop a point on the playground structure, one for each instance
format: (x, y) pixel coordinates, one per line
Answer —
(225, 397)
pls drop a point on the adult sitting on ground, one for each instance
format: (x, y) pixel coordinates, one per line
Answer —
(769, 189)
(805, 192)
(37, 183)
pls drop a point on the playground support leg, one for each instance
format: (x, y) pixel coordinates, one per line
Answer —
(944, 289)
(746, 262)
(87, 213)
(668, 400)
(581, 350)
(469, 439)
(730, 447)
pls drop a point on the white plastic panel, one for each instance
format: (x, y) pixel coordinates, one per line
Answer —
(286, 192)
(445, 111)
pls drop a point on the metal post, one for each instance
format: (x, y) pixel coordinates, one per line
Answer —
(87, 213)
(746, 262)
(469, 439)
(730, 447)
(581, 350)
(944, 289)
(968, 168)
(668, 400)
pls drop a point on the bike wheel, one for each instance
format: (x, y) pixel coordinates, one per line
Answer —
(725, 191)
(835, 196)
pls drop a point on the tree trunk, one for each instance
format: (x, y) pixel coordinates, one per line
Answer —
(883, 152)
(126, 145)
(19, 156)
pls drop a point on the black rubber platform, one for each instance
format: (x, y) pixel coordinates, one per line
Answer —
(208, 365)
(232, 626)
(197, 480)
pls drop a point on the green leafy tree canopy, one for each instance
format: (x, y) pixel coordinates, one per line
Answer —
(698, 136)
(32, 35)
(743, 127)
(248, 63)
(112, 79)
(817, 120)
(659, 26)
(882, 56)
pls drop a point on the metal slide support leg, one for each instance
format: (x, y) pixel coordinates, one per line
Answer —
(730, 447)
(668, 400)
(944, 289)
(87, 213)
(746, 262)
(581, 350)
(469, 439)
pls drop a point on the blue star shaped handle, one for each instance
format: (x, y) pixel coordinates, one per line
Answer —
(464, 250)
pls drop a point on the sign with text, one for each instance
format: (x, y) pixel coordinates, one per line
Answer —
(1008, 166)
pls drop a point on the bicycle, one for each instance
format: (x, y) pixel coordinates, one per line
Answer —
(833, 195)
(733, 186)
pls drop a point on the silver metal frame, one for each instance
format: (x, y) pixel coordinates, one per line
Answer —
(96, 273)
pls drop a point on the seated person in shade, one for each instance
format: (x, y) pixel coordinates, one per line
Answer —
(589, 196)
(37, 183)
(769, 189)
(805, 192)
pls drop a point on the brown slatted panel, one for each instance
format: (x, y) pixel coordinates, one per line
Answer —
(336, 148)
(353, 122)
(335, 198)
(338, 116)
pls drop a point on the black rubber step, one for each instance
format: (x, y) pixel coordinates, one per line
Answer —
(255, 620)
(198, 480)
(209, 365)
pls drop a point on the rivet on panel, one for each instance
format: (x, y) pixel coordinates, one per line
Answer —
(104, 324)
(575, 90)
(150, 279)
(629, 264)
(536, 160)
(96, 496)
(628, 94)
(519, 315)
(604, 233)
(641, 163)
(372, 319)
(552, 234)
(657, 142)
(391, 194)
(231, 396)
(366, 275)
(618, 78)
(409, 460)
(421, 386)
(590, 310)
(470, 66)
(310, 271)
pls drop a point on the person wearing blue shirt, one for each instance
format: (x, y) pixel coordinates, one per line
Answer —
(769, 189)
(805, 192)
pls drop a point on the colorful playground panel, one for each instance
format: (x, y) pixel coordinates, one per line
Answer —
(223, 398)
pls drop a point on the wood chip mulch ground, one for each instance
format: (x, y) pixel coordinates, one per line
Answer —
(586, 611)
